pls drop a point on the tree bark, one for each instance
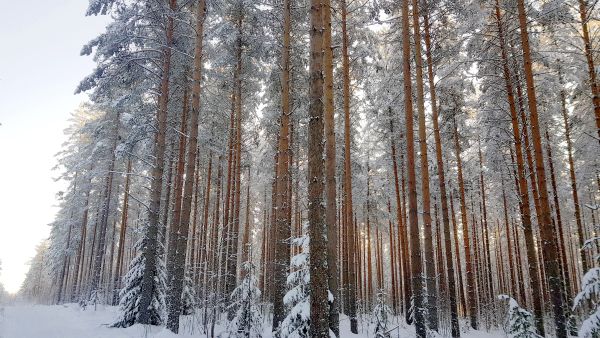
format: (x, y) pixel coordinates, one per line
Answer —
(454, 323)
(351, 281)
(330, 166)
(150, 246)
(282, 222)
(522, 178)
(547, 232)
(471, 297)
(431, 301)
(319, 310)
(413, 218)
(589, 56)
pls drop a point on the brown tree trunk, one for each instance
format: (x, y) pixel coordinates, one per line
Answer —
(573, 180)
(282, 222)
(486, 243)
(369, 241)
(589, 56)
(351, 281)
(330, 167)
(177, 196)
(123, 230)
(522, 179)
(547, 232)
(182, 234)
(413, 218)
(559, 225)
(393, 259)
(455, 329)
(150, 248)
(79, 263)
(471, 298)
(402, 241)
(431, 300)
(107, 195)
(461, 289)
(319, 309)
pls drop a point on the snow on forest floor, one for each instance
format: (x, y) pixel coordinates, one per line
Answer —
(70, 321)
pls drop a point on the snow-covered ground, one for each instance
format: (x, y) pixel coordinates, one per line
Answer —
(70, 321)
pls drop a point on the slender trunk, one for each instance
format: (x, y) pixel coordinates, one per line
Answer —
(485, 229)
(150, 247)
(176, 217)
(559, 225)
(573, 180)
(351, 281)
(461, 288)
(246, 239)
(589, 56)
(547, 232)
(369, 258)
(455, 329)
(402, 242)
(76, 288)
(431, 301)
(101, 249)
(123, 230)
(471, 300)
(330, 166)
(393, 259)
(522, 179)
(413, 218)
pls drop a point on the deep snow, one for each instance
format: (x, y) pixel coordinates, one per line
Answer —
(70, 321)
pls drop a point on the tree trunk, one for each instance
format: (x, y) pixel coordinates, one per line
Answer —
(455, 329)
(319, 310)
(522, 179)
(123, 230)
(413, 218)
(101, 249)
(330, 166)
(282, 222)
(150, 247)
(573, 180)
(351, 281)
(559, 225)
(589, 56)
(431, 301)
(471, 298)
(547, 232)
(403, 264)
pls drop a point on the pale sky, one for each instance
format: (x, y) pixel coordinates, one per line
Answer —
(40, 67)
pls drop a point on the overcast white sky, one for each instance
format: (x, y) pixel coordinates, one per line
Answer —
(40, 66)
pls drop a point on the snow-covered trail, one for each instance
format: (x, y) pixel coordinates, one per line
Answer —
(70, 321)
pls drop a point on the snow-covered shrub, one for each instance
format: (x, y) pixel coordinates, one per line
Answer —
(519, 322)
(381, 316)
(131, 293)
(588, 299)
(188, 296)
(297, 322)
(247, 321)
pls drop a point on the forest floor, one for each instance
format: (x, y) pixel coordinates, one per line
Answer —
(70, 321)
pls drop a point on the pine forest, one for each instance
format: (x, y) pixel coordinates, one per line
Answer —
(333, 168)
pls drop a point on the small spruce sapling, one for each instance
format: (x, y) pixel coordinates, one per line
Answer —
(131, 292)
(247, 321)
(188, 296)
(297, 322)
(381, 316)
(519, 322)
